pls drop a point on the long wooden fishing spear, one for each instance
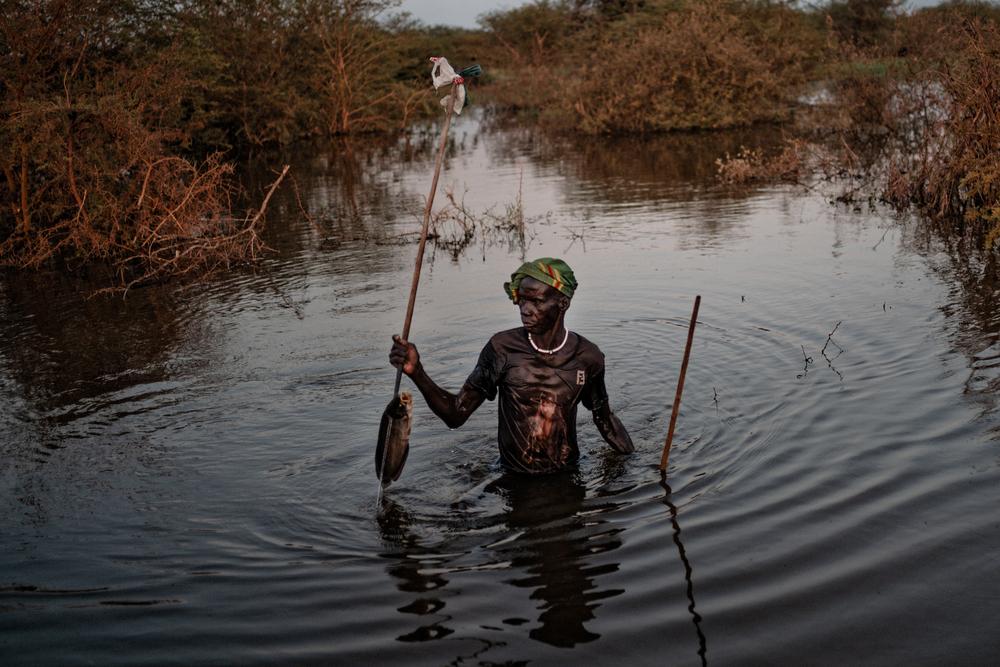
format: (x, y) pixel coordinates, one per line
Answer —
(394, 430)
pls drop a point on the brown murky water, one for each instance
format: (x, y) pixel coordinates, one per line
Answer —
(187, 474)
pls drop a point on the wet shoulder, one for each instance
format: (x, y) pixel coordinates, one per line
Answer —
(511, 340)
(588, 354)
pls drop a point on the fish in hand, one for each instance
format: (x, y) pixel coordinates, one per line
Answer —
(394, 438)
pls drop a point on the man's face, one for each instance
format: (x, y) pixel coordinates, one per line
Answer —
(541, 306)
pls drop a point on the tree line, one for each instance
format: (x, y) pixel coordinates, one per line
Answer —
(120, 119)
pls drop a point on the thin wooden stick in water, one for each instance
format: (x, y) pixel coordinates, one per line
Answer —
(680, 386)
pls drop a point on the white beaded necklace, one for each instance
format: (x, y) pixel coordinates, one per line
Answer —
(553, 350)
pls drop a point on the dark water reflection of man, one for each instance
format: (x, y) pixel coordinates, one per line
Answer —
(409, 569)
(552, 556)
(554, 549)
(541, 372)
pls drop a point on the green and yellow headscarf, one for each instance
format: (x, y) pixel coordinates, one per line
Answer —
(553, 272)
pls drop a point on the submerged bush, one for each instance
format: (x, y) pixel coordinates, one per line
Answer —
(113, 113)
(960, 181)
(919, 131)
(89, 139)
(925, 126)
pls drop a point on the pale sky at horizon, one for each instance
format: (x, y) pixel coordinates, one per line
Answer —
(464, 12)
(449, 12)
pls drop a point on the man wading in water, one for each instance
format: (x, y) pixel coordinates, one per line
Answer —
(541, 370)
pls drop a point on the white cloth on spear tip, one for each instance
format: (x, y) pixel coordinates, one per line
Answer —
(443, 74)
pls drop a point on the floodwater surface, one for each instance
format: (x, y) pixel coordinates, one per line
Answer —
(188, 473)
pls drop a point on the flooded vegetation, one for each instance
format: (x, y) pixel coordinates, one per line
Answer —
(121, 121)
(188, 470)
(196, 459)
(914, 129)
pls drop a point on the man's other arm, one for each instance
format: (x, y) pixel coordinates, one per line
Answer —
(610, 427)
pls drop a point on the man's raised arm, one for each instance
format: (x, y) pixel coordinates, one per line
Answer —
(453, 409)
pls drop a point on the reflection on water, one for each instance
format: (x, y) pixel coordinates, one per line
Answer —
(61, 361)
(688, 571)
(553, 541)
(195, 461)
(974, 303)
(550, 541)
(70, 369)
(411, 571)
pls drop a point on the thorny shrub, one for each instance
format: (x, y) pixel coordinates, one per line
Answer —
(270, 72)
(703, 66)
(89, 175)
(657, 66)
(529, 50)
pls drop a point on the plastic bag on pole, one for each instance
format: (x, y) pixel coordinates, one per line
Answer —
(442, 74)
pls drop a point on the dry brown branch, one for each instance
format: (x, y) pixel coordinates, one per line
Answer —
(303, 211)
(267, 197)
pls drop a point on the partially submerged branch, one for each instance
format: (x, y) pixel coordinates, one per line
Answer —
(200, 246)
(912, 132)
